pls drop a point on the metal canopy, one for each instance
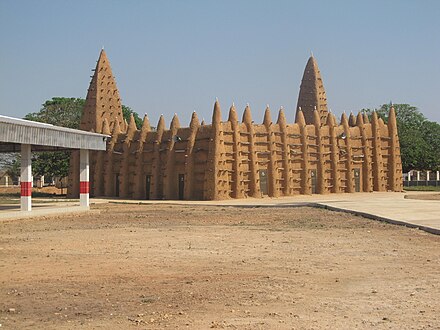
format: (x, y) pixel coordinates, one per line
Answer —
(45, 137)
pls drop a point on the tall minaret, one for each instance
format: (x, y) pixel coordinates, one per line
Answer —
(103, 101)
(312, 94)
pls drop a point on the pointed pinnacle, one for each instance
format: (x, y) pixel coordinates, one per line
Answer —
(281, 118)
(116, 129)
(300, 120)
(161, 124)
(216, 115)
(232, 115)
(267, 121)
(247, 116)
(344, 120)
(105, 127)
(359, 120)
(146, 127)
(131, 128)
(316, 118)
(175, 124)
(194, 121)
(331, 120)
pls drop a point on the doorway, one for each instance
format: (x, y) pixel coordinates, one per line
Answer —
(263, 182)
(357, 179)
(147, 186)
(314, 181)
(117, 185)
(181, 185)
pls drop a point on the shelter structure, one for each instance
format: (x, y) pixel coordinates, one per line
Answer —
(239, 159)
(24, 136)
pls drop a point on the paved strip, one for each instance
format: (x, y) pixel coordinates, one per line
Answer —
(43, 211)
(390, 207)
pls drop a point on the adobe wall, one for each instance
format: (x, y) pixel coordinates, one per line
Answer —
(239, 159)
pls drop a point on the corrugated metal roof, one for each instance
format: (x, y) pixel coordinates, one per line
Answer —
(20, 131)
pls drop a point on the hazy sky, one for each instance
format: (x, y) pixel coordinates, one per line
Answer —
(178, 56)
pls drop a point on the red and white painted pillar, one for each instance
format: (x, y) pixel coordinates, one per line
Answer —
(84, 186)
(26, 178)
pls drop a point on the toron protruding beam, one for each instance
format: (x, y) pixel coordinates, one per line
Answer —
(306, 184)
(285, 153)
(273, 170)
(237, 175)
(124, 174)
(378, 184)
(394, 162)
(156, 166)
(254, 188)
(347, 155)
(366, 165)
(190, 157)
(334, 154)
(320, 166)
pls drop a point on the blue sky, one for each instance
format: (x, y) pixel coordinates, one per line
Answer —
(178, 56)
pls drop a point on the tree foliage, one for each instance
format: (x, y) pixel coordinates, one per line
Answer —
(66, 112)
(419, 138)
(52, 164)
(126, 113)
(60, 111)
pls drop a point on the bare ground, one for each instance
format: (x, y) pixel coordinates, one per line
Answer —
(199, 267)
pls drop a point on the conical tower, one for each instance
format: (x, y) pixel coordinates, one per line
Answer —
(311, 93)
(103, 101)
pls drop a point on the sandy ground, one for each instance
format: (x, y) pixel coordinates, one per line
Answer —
(201, 267)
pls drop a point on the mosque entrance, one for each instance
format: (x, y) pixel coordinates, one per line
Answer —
(181, 185)
(314, 182)
(263, 182)
(117, 185)
(357, 179)
(147, 186)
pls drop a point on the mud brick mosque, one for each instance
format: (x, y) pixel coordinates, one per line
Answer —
(237, 159)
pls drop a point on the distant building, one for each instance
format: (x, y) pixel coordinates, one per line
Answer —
(5, 179)
(238, 159)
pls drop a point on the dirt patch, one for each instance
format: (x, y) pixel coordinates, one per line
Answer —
(199, 267)
(432, 197)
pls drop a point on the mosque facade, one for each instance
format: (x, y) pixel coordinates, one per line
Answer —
(317, 154)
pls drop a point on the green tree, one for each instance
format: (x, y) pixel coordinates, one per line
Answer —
(52, 164)
(126, 112)
(66, 112)
(60, 111)
(419, 138)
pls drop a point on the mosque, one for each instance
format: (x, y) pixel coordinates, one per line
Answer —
(237, 159)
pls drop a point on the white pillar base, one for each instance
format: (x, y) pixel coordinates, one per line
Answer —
(26, 203)
(84, 200)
